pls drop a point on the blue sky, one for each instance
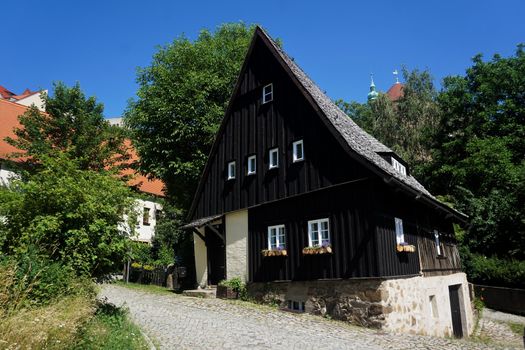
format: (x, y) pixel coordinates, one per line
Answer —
(338, 43)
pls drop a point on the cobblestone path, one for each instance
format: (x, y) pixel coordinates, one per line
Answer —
(178, 322)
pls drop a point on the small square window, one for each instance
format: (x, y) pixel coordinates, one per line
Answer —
(274, 158)
(267, 93)
(231, 170)
(318, 233)
(298, 151)
(252, 165)
(400, 234)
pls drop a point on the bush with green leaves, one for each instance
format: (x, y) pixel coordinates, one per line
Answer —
(73, 216)
(237, 285)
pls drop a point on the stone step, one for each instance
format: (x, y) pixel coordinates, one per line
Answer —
(200, 293)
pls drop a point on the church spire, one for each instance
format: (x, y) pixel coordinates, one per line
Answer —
(372, 95)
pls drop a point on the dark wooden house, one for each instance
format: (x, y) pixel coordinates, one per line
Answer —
(311, 210)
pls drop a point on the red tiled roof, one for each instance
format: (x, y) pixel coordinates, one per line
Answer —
(24, 94)
(9, 113)
(151, 186)
(4, 93)
(395, 92)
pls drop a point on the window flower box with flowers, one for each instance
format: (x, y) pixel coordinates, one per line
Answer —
(404, 247)
(326, 248)
(279, 251)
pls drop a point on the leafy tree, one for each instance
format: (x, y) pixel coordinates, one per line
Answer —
(73, 215)
(181, 101)
(71, 124)
(405, 125)
(479, 152)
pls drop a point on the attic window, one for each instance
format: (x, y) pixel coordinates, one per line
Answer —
(439, 248)
(298, 151)
(252, 165)
(231, 170)
(267, 95)
(274, 158)
(399, 167)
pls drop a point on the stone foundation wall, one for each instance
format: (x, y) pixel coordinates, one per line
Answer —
(395, 305)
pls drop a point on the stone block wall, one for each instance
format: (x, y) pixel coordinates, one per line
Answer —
(398, 305)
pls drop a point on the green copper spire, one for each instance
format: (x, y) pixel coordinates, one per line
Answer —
(372, 95)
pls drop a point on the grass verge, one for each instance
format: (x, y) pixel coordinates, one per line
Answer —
(150, 288)
(110, 329)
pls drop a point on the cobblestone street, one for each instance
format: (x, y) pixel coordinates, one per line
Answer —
(178, 322)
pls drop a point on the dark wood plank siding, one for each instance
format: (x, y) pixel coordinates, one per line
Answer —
(255, 128)
(419, 222)
(351, 233)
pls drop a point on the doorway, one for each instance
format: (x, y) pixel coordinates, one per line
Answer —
(216, 249)
(455, 296)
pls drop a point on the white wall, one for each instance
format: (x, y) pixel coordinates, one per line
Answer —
(237, 244)
(144, 232)
(6, 176)
(409, 300)
(201, 259)
(35, 99)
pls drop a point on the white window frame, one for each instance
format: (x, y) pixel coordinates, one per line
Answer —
(319, 239)
(294, 150)
(276, 152)
(251, 171)
(400, 233)
(231, 170)
(278, 237)
(437, 242)
(399, 167)
(267, 96)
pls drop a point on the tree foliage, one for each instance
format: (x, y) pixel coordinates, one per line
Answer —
(72, 215)
(405, 125)
(181, 101)
(479, 152)
(74, 125)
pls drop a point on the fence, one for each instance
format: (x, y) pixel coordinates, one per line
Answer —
(501, 298)
(156, 276)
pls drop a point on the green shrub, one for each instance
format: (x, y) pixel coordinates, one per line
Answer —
(494, 271)
(237, 285)
(30, 280)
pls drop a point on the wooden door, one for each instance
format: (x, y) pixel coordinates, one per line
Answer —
(455, 310)
(216, 250)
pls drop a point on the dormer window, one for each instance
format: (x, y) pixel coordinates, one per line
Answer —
(267, 94)
(274, 158)
(298, 151)
(252, 165)
(399, 167)
(231, 170)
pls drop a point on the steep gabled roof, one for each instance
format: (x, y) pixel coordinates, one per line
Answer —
(354, 139)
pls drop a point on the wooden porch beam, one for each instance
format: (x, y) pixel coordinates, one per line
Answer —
(221, 236)
(199, 234)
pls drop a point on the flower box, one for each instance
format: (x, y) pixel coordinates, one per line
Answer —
(405, 248)
(317, 250)
(274, 252)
